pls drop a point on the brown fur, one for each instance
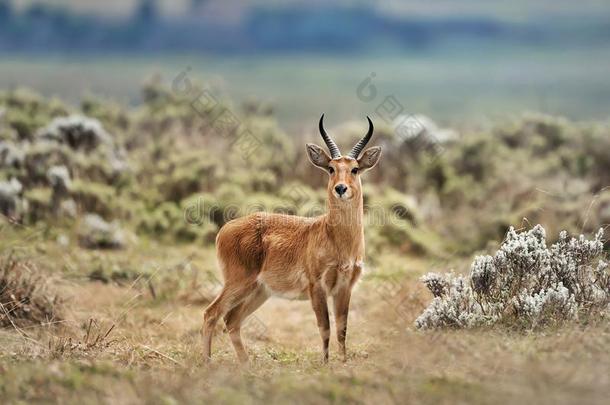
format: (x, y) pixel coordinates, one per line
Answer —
(308, 258)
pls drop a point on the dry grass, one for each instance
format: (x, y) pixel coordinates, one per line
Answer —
(95, 340)
(143, 348)
(25, 295)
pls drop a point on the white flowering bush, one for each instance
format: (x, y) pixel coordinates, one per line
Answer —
(525, 284)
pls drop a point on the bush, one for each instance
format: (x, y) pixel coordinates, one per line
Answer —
(78, 132)
(27, 111)
(95, 197)
(525, 284)
(11, 155)
(185, 222)
(95, 233)
(182, 174)
(25, 296)
(39, 203)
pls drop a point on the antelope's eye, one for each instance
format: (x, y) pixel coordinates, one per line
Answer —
(355, 170)
(331, 170)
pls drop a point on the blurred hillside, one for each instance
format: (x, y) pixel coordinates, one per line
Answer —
(466, 64)
(244, 27)
(183, 163)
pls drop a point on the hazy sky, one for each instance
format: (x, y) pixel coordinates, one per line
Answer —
(513, 9)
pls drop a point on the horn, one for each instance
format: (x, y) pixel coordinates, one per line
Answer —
(332, 146)
(355, 152)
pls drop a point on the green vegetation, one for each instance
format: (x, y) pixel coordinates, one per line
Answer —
(163, 161)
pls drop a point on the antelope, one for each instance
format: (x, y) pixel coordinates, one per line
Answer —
(264, 254)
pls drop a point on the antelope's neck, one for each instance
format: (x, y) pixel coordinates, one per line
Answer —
(345, 224)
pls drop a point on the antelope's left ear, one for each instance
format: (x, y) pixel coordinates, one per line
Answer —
(369, 158)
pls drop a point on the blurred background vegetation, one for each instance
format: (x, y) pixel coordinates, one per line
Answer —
(109, 132)
(166, 170)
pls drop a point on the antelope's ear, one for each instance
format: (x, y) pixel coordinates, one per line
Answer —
(318, 156)
(369, 158)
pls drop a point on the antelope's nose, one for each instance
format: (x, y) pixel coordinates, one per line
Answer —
(340, 189)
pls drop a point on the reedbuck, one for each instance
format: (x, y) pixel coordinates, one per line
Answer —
(263, 254)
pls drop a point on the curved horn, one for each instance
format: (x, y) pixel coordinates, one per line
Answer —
(355, 152)
(332, 146)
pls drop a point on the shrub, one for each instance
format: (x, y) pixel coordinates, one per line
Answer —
(78, 132)
(25, 295)
(11, 155)
(184, 222)
(95, 233)
(95, 197)
(183, 174)
(27, 111)
(112, 115)
(525, 284)
(39, 203)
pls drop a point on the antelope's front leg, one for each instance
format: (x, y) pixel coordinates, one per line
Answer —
(341, 301)
(317, 295)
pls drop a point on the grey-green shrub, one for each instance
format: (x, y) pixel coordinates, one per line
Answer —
(524, 284)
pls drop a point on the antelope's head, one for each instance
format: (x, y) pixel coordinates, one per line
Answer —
(344, 171)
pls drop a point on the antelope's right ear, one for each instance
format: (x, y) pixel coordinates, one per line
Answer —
(318, 156)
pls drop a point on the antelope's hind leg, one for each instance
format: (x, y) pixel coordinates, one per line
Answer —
(230, 297)
(236, 316)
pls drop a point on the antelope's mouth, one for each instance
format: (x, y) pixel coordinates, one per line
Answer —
(343, 197)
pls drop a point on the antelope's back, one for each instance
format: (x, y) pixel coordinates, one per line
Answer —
(247, 241)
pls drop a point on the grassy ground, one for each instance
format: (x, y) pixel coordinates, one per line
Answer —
(133, 337)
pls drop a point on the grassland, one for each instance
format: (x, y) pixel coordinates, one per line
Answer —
(152, 353)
